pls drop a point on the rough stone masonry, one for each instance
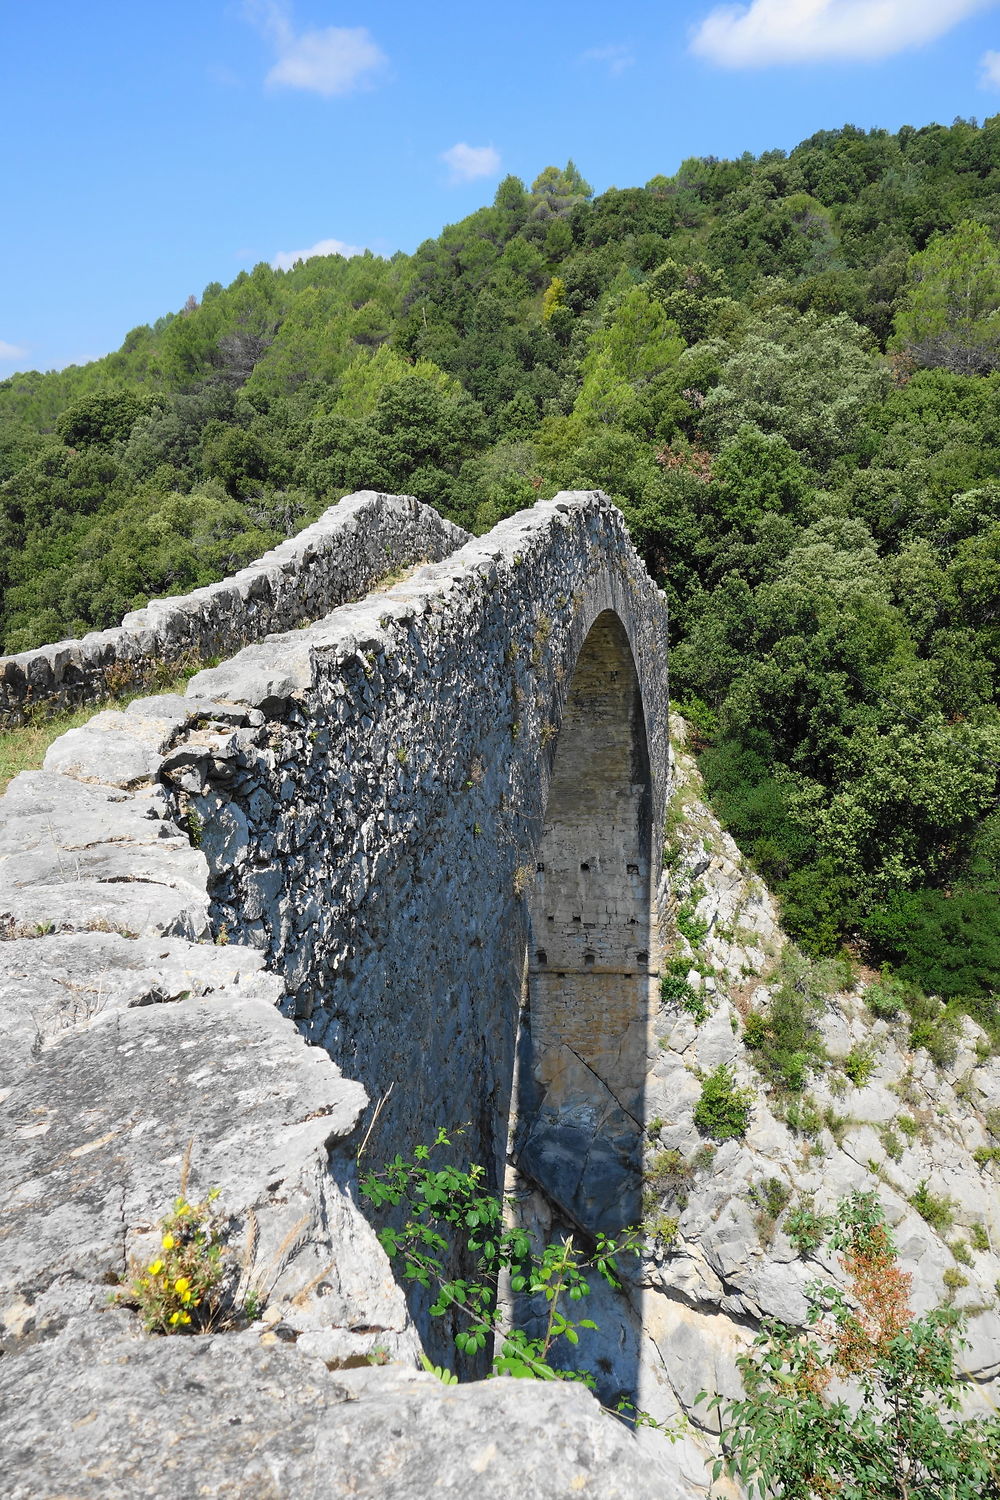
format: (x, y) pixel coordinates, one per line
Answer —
(356, 812)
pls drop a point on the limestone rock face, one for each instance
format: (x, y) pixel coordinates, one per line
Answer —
(730, 1263)
(244, 1420)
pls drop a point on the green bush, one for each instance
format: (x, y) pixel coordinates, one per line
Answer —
(859, 1065)
(899, 1438)
(723, 1111)
(807, 1229)
(933, 1208)
(947, 942)
(784, 1040)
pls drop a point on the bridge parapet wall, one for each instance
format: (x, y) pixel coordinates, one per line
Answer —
(340, 556)
(377, 836)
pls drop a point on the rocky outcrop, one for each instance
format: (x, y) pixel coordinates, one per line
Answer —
(224, 1417)
(338, 557)
(723, 1260)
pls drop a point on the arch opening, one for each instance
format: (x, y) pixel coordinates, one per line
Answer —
(578, 1133)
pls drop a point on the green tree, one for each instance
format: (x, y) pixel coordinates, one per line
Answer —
(793, 1436)
(951, 316)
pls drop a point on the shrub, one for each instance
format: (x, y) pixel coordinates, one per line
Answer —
(948, 942)
(960, 1250)
(938, 1035)
(675, 990)
(980, 1239)
(891, 1143)
(900, 1438)
(665, 1177)
(724, 1109)
(807, 1229)
(859, 1065)
(693, 927)
(802, 1116)
(933, 1208)
(784, 1039)
(886, 997)
(908, 1126)
(770, 1198)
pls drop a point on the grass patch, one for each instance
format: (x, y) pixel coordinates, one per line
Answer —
(23, 747)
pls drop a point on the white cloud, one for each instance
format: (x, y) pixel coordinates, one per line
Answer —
(286, 259)
(10, 351)
(795, 31)
(336, 60)
(989, 78)
(617, 58)
(469, 162)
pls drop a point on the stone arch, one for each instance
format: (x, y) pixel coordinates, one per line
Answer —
(589, 949)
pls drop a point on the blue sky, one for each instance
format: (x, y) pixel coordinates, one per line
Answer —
(150, 149)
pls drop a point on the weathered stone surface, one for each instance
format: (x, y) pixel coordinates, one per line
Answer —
(76, 855)
(94, 1132)
(221, 1417)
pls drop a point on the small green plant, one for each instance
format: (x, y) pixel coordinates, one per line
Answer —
(693, 927)
(442, 1205)
(886, 998)
(891, 1143)
(859, 1065)
(723, 1111)
(937, 1030)
(666, 1177)
(661, 1227)
(836, 1124)
(954, 1279)
(445, 1376)
(402, 754)
(807, 1229)
(933, 1208)
(770, 1197)
(991, 1119)
(960, 1250)
(909, 1126)
(179, 1290)
(802, 1116)
(784, 1039)
(675, 990)
(195, 825)
(986, 1156)
(980, 1239)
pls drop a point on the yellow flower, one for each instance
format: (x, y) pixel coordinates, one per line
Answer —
(168, 1242)
(182, 1283)
(156, 1268)
(175, 1317)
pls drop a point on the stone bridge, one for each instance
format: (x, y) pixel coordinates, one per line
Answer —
(426, 829)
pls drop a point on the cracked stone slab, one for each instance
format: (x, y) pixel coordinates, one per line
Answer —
(120, 1419)
(93, 1134)
(63, 981)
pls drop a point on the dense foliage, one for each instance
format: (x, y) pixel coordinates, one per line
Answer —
(785, 369)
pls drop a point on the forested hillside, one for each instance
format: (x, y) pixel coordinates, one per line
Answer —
(782, 368)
